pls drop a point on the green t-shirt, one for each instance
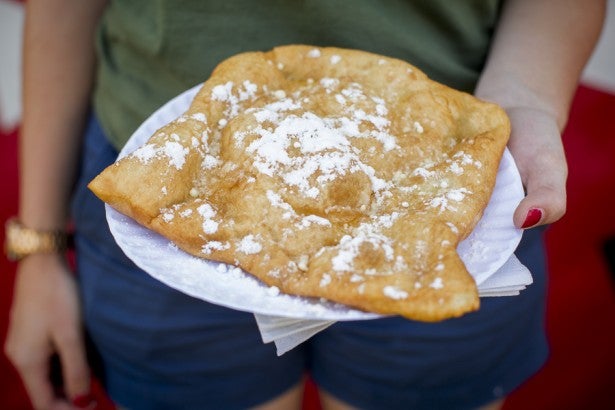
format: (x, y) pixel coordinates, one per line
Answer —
(151, 50)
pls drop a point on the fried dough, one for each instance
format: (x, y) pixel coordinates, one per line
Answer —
(327, 173)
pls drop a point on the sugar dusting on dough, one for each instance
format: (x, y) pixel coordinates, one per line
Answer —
(325, 144)
(207, 212)
(173, 151)
(394, 292)
(249, 245)
(307, 150)
(326, 160)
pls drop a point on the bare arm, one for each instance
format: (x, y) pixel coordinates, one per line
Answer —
(539, 51)
(57, 73)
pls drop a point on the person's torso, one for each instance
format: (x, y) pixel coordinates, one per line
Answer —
(151, 50)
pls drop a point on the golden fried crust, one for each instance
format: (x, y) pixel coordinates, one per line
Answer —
(325, 172)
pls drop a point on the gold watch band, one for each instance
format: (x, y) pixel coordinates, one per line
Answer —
(22, 241)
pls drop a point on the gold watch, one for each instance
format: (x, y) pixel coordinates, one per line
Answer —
(22, 241)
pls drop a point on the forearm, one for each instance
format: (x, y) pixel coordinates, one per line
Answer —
(539, 51)
(58, 71)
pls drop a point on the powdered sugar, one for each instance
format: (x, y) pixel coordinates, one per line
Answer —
(249, 245)
(418, 127)
(207, 212)
(325, 148)
(209, 162)
(314, 53)
(394, 292)
(443, 201)
(210, 246)
(308, 220)
(324, 144)
(325, 280)
(233, 96)
(461, 159)
(350, 247)
(199, 116)
(455, 169)
(176, 154)
(457, 194)
(437, 283)
(172, 150)
(222, 92)
(145, 153)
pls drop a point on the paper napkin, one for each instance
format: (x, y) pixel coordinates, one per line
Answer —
(287, 333)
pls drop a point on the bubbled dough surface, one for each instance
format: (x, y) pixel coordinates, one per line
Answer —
(325, 172)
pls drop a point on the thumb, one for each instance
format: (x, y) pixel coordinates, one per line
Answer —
(544, 203)
(536, 146)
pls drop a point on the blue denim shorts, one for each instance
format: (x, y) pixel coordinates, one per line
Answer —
(162, 349)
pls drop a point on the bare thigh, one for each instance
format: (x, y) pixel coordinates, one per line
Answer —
(291, 399)
(331, 403)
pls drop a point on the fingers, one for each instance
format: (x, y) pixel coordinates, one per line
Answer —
(68, 341)
(75, 369)
(34, 372)
(61, 405)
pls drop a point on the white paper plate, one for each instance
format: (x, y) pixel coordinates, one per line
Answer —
(484, 251)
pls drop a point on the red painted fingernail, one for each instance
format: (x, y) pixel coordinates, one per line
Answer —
(84, 401)
(534, 216)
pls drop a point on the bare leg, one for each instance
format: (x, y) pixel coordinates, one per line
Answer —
(331, 403)
(494, 405)
(291, 399)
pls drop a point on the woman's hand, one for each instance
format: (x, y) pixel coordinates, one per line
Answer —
(45, 320)
(536, 146)
(536, 58)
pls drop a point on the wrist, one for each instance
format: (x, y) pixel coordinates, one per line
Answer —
(511, 93)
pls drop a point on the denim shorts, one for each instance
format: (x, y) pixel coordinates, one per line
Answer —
(162, 349)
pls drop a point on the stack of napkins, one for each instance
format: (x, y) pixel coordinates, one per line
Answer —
(287, 333)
